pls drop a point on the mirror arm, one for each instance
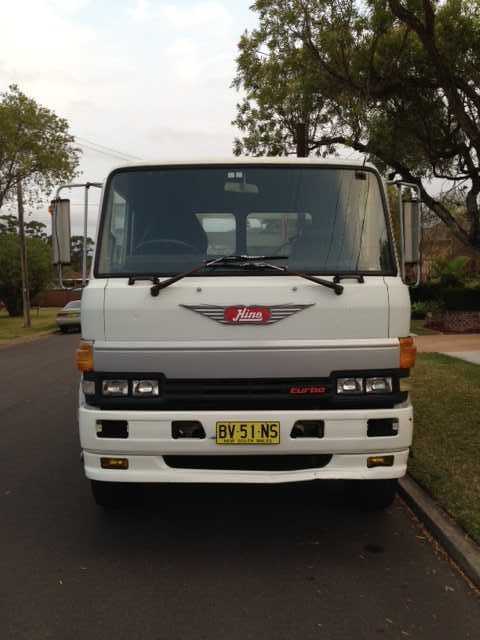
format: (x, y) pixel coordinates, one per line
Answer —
(399, 184)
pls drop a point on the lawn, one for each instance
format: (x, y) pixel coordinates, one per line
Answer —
(43, 320)
(416, 326)
(446, 444)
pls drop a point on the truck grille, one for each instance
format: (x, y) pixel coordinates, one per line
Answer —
(255, 392)
(249, 463)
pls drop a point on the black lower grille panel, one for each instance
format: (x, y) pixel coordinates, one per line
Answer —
(249, 463)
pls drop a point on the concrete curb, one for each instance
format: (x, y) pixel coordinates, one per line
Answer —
(6, 344)
(452, 538)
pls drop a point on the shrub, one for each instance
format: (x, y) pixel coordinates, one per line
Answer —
(450, 273)
(419, 310)
(39, 270)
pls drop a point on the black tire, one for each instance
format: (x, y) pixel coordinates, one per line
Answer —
(64, 329)
(375, 495)
(113, 495)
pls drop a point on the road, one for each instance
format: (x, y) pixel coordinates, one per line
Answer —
(274, 563)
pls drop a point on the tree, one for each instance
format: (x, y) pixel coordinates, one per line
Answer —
(36, 147)
(397, 80)
(39, 269)
(33, 228)
(36, 153)
(77, 252)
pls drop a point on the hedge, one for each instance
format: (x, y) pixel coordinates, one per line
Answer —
(453, 298)
(457, 299)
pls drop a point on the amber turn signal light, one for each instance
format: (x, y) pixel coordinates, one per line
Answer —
(84, 356)
(114, 463)
(408, 353)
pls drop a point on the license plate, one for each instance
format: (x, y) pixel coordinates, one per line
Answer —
(248, 433)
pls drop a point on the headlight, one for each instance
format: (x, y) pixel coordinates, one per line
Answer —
(350, 385)
(145, 388)
(115, 388)
(88, 387)
(378, 385)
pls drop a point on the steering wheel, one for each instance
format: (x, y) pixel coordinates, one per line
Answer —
(159, 244)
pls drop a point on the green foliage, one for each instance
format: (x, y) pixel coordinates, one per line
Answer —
(450, 273)
(36, 146)
(33, 228)
(39, 269)
(398, 81)
(419, 310)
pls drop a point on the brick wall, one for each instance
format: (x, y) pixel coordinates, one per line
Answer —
(56, 297)
(455, 321)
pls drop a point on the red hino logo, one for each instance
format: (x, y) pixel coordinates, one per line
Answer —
(247, 315)
(252, 314)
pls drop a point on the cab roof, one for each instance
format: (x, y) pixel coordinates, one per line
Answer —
(246, 160)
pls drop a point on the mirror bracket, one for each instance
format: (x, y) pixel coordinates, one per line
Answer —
(410, 230)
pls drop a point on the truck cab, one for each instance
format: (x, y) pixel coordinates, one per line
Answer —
(245, 322)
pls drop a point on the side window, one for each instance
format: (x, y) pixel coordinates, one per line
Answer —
(119, 227)
(269, 233)
(221, 232)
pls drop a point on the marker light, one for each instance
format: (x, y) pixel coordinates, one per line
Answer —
(145, 388)
(84, 356)
(408, 353)
(114, 463)
(350, 385)
(378, 385)
(380, 461)
(115, 387)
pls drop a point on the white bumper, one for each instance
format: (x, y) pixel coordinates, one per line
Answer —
(150, 440)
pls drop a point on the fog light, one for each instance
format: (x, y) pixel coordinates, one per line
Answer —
(308, 429)
(88, 387)
(115, 388)
(145, 388)
(187, 429)
(350, 385)
(114, 463)
(380, 461)
(378, 385)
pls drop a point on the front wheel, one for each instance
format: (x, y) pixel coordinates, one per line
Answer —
(112, 495)
(375, 495)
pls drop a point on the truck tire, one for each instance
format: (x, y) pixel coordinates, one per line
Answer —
(375, 495)
(112, 495)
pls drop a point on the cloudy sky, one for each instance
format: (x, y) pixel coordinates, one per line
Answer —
(150, 78)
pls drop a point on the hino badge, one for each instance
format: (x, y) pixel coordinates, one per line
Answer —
(246, 321)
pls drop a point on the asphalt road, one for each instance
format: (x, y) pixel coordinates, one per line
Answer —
(274, 563)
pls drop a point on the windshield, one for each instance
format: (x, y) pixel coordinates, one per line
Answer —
(315, 220)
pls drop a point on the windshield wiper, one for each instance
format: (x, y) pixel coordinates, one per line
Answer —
(338, 288)
(245, 261)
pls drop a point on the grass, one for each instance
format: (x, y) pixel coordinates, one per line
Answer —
(43, 320)
(446, 444)
(416, 326)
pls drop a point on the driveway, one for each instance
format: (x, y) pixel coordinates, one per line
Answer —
(279, 563)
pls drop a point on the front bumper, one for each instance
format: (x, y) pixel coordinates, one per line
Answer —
(150, 440)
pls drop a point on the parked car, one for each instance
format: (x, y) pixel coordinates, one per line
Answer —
(68, 319)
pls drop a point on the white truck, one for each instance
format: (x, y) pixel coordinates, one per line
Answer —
(246, 321)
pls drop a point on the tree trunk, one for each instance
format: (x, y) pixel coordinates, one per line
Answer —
(302, 148)
(23, 258)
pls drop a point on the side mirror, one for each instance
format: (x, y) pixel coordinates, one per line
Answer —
(411, 231)
(60, 210)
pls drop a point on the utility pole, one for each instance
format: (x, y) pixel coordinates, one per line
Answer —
(23, 257)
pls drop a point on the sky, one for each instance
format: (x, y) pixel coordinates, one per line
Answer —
(149, 78)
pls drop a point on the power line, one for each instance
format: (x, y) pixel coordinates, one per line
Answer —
(100, 148)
